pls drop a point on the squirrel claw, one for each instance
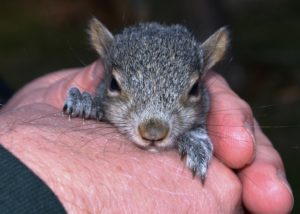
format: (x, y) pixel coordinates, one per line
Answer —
(194, 171)
(182, 155)
(65, 107)
(99, 116)
(81, 105)
(203, 177)
(198, 149)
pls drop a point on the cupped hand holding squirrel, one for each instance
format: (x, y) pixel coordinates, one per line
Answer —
(92, 169)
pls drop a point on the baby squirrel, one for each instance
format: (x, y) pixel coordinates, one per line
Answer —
(153, 89)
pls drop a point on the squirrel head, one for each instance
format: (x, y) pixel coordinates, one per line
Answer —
(153, 88)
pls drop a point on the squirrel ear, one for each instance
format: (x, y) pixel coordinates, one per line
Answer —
(214, 48)
(100, 36)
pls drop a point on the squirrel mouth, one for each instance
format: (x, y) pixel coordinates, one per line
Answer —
(152, 148)
(155, 146)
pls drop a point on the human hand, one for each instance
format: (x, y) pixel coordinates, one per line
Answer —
(93, 168)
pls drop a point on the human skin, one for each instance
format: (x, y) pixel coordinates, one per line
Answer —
(92, 168)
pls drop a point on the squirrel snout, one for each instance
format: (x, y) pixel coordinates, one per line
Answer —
(153, 130)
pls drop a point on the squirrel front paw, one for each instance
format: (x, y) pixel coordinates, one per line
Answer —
(81, 105)
(198, 149)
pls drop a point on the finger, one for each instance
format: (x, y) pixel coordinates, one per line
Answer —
(265, 188)
(229, 124)
(86, 79)
(53, 88)
(34, 91)
(79, 77)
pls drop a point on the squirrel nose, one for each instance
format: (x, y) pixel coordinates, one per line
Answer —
(153, 130)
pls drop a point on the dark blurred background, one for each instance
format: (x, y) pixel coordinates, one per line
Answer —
(263, 66)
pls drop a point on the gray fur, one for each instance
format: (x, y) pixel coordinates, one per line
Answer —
(155, 67)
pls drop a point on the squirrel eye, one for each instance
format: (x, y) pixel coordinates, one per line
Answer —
(194, 91)
(114, 85)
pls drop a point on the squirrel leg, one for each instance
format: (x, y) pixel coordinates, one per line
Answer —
(198, 149)
(82, 105)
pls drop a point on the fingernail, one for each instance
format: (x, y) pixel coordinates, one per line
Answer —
(281, 175)
(97, 69)
(250, 130)
(94, 69)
